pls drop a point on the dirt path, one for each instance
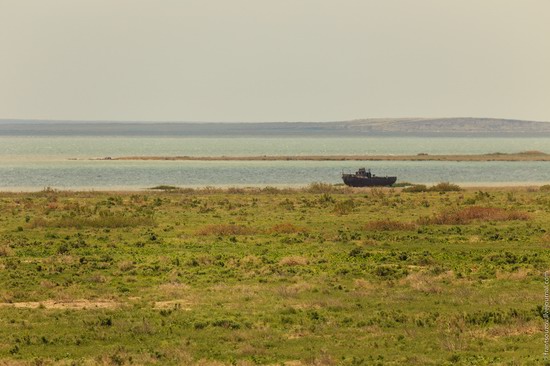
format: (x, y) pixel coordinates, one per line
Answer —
(74, 305)
(92, 304)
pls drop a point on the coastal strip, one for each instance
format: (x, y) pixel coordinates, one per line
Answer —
(521, 156)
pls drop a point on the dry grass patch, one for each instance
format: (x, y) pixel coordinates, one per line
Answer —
(226, 229)
(294, 290)
(5, 251)
(125, 266)
(250, 261)
(469, 214)
(520, 329)
(173, 290)
(474, 239)
(520, 274)
(362, 286)
(422, 282)
(294, 260)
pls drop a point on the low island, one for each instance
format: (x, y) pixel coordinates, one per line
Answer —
(520, 156)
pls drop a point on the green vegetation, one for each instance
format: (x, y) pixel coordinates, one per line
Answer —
(320, 276)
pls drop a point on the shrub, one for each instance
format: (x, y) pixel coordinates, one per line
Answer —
(389, 272)
(445, 187)
(226, 323)
(545, 188)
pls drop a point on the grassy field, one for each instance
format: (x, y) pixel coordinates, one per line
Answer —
(321, 276)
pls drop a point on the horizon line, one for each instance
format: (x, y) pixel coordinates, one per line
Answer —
(257, 122)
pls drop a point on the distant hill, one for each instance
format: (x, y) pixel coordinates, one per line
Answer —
(451, 126)
(486, 127)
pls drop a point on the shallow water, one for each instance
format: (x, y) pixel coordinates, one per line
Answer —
(144, 174)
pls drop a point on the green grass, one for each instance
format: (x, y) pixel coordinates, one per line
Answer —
(320, 276)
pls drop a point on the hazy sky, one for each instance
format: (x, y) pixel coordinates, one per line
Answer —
(277, 60)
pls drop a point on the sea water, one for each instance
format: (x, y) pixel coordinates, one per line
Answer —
(36, 162)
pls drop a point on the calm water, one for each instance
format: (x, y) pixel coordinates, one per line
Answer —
(30, 163)
(40, 148)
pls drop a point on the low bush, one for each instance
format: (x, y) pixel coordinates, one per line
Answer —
(445, 187)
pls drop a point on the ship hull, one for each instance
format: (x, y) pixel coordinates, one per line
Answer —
(354, 181)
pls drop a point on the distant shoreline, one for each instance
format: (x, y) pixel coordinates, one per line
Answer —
(521, 156)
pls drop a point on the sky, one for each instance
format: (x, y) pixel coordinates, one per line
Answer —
(276, 60)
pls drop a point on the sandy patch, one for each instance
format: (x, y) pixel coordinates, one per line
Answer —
(73, 305)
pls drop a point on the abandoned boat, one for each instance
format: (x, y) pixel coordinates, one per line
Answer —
(364, 178)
